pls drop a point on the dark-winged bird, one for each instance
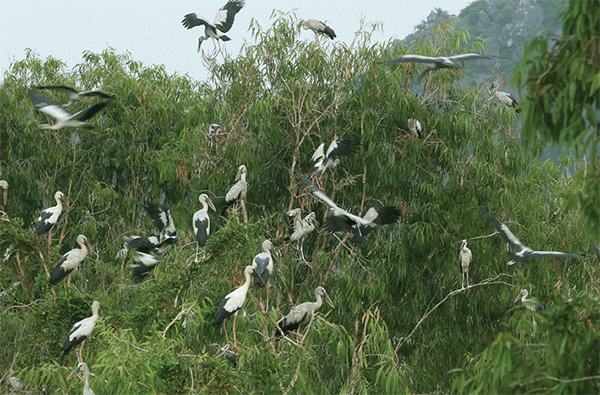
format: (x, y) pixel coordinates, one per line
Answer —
(49, 217)
(438, 62)
(74, 95)
(320, 160)
(505, 98)
(317, 27)
(63, 118)
(161, 216)
(302, 314)
(263, 265)
(71, 260)
(81, 330)
(201, 222)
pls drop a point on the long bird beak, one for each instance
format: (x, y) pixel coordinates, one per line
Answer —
(238, 176)
(210, 203)
(74, 373)
(88, 247)
(518, 297)
(328, 300)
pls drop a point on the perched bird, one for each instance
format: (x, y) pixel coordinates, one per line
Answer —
(15, 383)
(302, 314)
(4, 187)
(521, 252)
(505, 98)
(222, 24)
(83, 369)
(81, 330)
(302, 226)
(532, 304)
(465, 258)
(143, 265)
(415, 127)
(263, 265)
(161, 216)
(201, 222)
(74, 95)
(63, 118)
(317, 27)
(320, 161)
(71, 260)
(439, 62)
(49, 217)
(237, 192)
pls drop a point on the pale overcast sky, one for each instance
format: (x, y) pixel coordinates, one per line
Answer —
(152, 31)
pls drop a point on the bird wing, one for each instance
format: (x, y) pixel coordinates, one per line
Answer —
(340, 148)
(61, 88)
(158, 215)
(556, 254)
(411, 59)
(48, 106)
(225, 16)
(97, 93)
(192, 20)
(89, 112)
(382, 215)
(468, 56)
(504, 232)
(317, 159)
(59, 272)
(201, 227)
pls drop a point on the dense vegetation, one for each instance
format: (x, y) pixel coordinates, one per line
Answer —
(400, 322)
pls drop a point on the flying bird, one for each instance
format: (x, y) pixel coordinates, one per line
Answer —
(465, 258)
(415, 127)
(320, 161)
(83, 369)
(302, 314)
(505, 98)
(71, 260)
(319, 28)
(201, 222)
(222, 24)
(63, 118)
(263, 265)
(439, 62)
(521, 252)
(148, 244)
(81, 330)
(143, 265)
(74, 95)
(161, 216)
(237, 192)
(532, 304)
(49, 217)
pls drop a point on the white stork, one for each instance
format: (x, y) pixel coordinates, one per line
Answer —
(71, 260)
(415, 127)
(439, 62)
(505, 98)
(522, 252)
(73, 94)
(302, 226)
(317, 27)
(81, 330)
(161, 216)
(143, 265)
(222, 24)
(263, 265)
(321, 161)
(302, 314)
(465, 258)
(83, 369)
(201, 222)
(237, 193)
(4, 187)
(49, 217)
(532, 304)
(233, 302)
(63, 118)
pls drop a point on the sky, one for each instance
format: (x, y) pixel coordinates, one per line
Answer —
(151, 31)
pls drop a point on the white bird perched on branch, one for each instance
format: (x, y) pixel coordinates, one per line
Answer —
(521, 252)
(161, 216)
(415, 127)
(263, 265)
(49, 217)
(63, 118)
(81, 330)
(71, 260)
(302, 227)
(83, 369)
(222, 24)
(465, 258)
(318, 27)
(320, 161)
(4, 187)
(73, 94)
(237, 193)
(302, 314)
(505, 98)
(532, 304)
(201, 222)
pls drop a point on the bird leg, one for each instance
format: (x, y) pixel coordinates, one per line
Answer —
(234, 335)
(80, 352)
(244, 212)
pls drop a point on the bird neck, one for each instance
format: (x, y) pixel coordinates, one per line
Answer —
(319, 302)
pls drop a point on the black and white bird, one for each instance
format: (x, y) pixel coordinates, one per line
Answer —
(465, 258)
(74, 95)
(521, 252)
(222, 24)
(161, 216)
(201, 222)
(63, 118)
(4, 187)
(415, 127)
(504, 98)
(238, 191)
(263, 265)
(302, 314)
(318, 27)
(71, 260)
(214, 131)
(438, 62)
(532, 304)
(49, 217)
(82, 368)
(143, 264)
(81, 330)
(148, 244)
(320, 161)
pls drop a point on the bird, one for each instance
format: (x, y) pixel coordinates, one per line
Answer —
(319, 162)
(81, 330)
(521, 252)
(148, 244)
(237, 192)
(161, 216)
(82, 368)
(342, 220)
(302, 314)
(222, 24)
(233, 301)
(465, 258)
(532, 304)
(49, 217)
(214, 131)
(74, 95)
(143, 265)
(415, 127)
(201, 222)
(63, 118)
(302, 227)
(505, 98)
(71, 260)
(4, 187)
(15, 383)
(263, 265)
(317, 27)
(439, 62)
